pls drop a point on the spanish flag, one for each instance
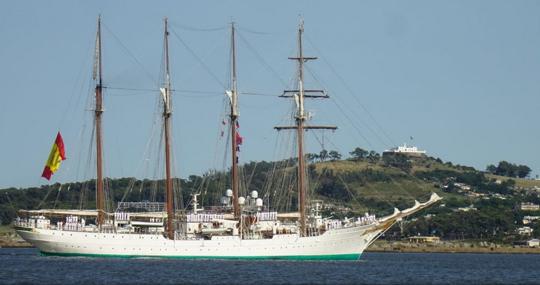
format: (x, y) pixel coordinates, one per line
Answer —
(55, 157)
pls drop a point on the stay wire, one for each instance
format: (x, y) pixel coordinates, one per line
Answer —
(262, 61)
(197, 29)
(334, 100)
(347, 87)
(201, 62)
(145, 71)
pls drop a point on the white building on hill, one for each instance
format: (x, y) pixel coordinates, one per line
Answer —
(407, 150)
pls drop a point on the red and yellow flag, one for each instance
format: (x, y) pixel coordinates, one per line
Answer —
(55, 157)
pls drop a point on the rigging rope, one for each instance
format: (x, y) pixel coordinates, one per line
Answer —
(197, 29)
(201, 62)
(334, 100)
(78, 78)
(333, 70)
(147, 74)
(261, 60)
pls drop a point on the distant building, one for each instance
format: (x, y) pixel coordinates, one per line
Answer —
(474, 194)
(424, 239)
(527, 206)
(404, 149)
(498, 196)
(462, 186)
(530, 219)
(524, 231)
(467, 209)
(533, 242)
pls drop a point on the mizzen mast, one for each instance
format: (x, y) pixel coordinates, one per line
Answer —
(97, 75)
(167, 112)
(233, 97)
(299, 95)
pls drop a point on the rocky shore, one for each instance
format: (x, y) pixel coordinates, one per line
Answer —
(448, 247)
(9, 239)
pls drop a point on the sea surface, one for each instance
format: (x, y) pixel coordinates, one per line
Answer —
(26, 266)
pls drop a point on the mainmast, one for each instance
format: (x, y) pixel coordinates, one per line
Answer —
(166, 93)
(233, 96)
(100, 200)
(300, 117)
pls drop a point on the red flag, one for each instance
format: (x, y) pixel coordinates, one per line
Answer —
(239, 139)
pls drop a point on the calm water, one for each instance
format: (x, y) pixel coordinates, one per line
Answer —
(26, 266)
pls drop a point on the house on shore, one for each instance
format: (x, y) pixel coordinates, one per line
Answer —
(424, 239)
(533, 242)
(527, 206)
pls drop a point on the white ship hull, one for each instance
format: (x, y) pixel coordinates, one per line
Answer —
(344, 243)
(335, 244)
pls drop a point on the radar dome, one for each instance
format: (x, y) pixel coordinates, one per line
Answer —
(241, 200)
(259, 202)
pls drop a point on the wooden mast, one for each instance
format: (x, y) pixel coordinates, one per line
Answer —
(166, 92)
(233, 121)
(300, 118)
(299, 95)
(100, 201)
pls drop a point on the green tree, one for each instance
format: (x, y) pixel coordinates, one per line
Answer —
(397, 160)
(334, 155)
(359, 154)
(523, 171)
(323, 155)
(373, 156)
(332, 187)
(311, 157)
(491, 169)
(505, 168)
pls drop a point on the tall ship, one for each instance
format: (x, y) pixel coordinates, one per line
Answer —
(241, 227)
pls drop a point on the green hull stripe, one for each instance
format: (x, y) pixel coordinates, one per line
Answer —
(290, 257)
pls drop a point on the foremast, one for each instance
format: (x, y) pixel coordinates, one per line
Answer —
(233, 98)
(300, 117)
(97, 75)
(167, 112)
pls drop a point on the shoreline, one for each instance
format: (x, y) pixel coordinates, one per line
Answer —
(449, 247)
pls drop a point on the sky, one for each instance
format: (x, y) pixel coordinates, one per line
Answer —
(459, 77)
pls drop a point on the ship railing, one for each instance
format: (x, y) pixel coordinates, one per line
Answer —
(313, 232)
(34, 223)
(267, 216)
(365, 220)
(203, 217)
